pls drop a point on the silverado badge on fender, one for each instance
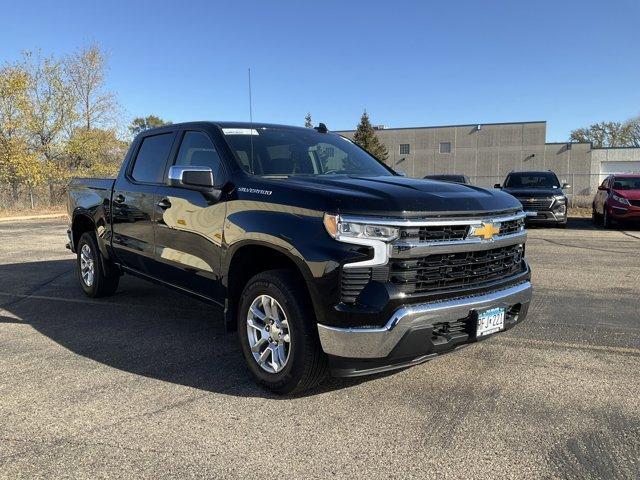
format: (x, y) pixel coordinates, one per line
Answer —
(485, 230)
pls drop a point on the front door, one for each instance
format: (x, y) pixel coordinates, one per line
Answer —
(188, 223)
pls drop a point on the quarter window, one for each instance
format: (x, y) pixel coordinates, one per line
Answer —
(445, 147)
(152, 158)
(197, 150)
(405, 149)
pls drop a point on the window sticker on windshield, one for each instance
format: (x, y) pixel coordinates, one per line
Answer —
(239, 131)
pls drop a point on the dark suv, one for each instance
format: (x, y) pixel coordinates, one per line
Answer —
(540, 194)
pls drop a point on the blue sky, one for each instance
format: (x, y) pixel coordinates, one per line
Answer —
(408, 63)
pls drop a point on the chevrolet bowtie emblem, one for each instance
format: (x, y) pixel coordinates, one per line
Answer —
(486, 230)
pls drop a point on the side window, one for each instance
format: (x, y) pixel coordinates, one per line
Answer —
(151, 158)
(197, 150)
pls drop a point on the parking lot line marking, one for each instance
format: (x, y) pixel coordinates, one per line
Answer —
(44, 297)
(23, 296)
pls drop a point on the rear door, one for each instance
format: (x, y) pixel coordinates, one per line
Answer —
(188, 223)
(133, 200)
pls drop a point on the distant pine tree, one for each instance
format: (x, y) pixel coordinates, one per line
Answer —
(365, 136)
(307, 121)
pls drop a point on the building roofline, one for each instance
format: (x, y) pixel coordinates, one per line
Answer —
(615, 148)
(451, 126)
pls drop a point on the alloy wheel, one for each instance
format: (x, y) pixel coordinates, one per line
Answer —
(87, 267)
(268, 334)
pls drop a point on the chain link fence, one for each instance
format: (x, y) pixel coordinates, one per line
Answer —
(23, 198)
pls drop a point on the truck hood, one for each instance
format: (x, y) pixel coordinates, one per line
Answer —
(533, 192)
(391, 195)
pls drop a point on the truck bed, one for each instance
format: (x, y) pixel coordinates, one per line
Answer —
(92, 183)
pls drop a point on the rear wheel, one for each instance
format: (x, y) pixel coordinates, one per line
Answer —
(278, 334)
(94, 280)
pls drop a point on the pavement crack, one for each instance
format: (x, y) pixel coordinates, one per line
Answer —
(630, 235)
(593, 249)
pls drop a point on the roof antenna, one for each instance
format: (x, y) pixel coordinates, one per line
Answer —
(251, 121)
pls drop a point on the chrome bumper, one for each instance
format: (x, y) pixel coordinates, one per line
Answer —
(378, 342)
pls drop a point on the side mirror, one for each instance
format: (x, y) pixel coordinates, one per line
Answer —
(566, 185)
(402, 173)
(191, 177)
(497, 185)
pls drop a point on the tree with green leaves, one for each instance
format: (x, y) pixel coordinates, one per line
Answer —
(365, 136)
(307, 120)
(609, 134)
(140, 124)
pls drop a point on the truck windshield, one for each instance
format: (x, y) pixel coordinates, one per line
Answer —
(292, 151)
(626, 183)
(532, 180)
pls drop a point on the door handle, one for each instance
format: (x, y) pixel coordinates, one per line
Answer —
(164, 203)
(119, 198)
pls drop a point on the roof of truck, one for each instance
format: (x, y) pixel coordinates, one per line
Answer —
(226, 124)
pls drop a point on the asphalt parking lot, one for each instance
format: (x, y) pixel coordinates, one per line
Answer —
(147, 384)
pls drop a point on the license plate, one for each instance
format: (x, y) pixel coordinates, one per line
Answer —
(490, 321)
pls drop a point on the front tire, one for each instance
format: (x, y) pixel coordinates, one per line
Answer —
(94, 280)
(278, 335)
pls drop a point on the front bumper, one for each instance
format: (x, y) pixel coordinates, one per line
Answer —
(546, 216)
(414, 333)
(626, 212)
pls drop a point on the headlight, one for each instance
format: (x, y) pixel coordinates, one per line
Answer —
(561, 209)
(343, 230)
(620, 199)
(560, 198)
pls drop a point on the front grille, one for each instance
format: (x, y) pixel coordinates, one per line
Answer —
(512, 226)
(353, 282)
(435, 233)
(635, 203)
(455, 270)
(536, 204)
(445, 233)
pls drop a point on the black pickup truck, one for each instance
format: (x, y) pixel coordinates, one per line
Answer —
(323, 258)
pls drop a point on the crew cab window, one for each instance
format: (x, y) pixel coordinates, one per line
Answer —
(198, 150)
(152, 157)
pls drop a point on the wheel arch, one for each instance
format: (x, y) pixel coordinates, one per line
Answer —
(247, 259)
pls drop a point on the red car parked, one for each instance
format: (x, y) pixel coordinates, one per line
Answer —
(618, 199)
